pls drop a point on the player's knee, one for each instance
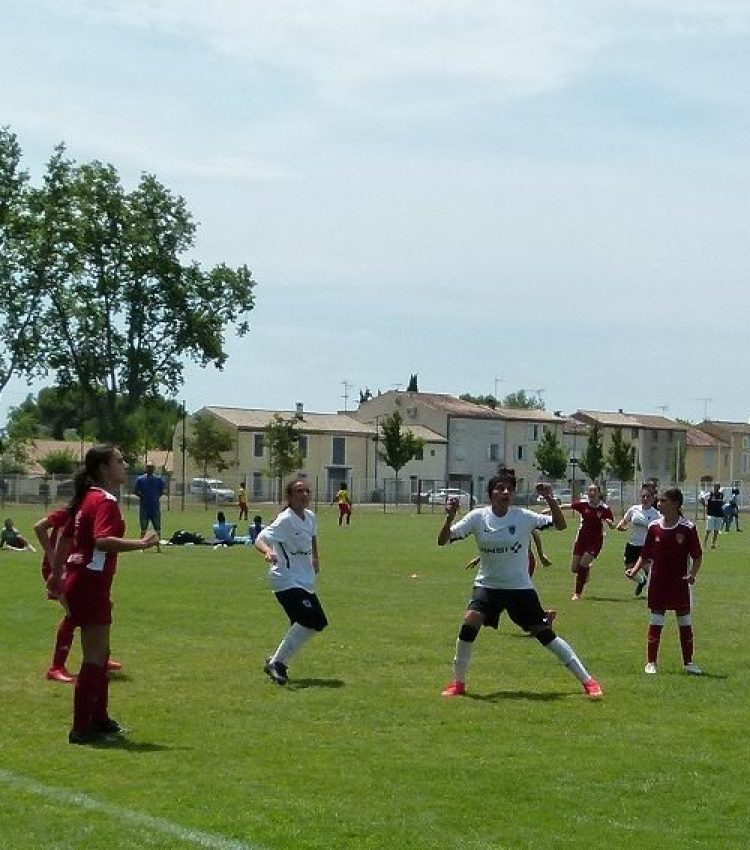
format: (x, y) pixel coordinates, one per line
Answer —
(545, 635)
(468, 633)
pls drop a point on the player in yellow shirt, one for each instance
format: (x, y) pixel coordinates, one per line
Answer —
(344, 503)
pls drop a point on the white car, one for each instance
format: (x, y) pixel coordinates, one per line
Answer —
(440, 497)
(211, 489)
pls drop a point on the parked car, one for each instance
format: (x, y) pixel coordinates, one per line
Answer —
(420, 498)
(440, 497)
(564, 497)
(211, 489)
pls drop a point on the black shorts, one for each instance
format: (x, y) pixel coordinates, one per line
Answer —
(303, 607)
(632, 553)
(523, 606)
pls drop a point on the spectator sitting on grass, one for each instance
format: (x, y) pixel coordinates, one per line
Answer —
(256, 528)
(223, 531)
(11, 539)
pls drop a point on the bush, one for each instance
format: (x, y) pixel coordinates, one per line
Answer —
(59, 462)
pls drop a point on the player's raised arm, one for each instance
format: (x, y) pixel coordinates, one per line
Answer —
(554, 509)
(451, 509)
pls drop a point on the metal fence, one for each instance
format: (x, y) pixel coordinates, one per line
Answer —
(385, 493)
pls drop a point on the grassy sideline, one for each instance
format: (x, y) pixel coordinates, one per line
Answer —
(360, 751)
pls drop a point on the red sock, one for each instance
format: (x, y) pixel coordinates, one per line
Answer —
(686, 643)
(86, 696)
(63, 641)
(582, 576)
(652, 647)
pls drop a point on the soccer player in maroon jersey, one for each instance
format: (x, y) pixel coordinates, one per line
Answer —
(86, 553)
(672, 554)
(47, 531)
(590, 538)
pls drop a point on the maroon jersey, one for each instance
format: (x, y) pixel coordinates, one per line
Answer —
(98, 516)
(57, 520)
(671, 551)
(591, 518)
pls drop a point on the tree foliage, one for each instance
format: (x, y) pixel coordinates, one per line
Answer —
(60, 462)
(99, 291)
(398, 447)
(592, 462)
(484, 400)
(620, 459)
(208, 442)
(284, 451)
(521, 400)
(551, 456)
(412, 385)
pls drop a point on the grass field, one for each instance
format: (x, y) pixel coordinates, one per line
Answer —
(360, 750)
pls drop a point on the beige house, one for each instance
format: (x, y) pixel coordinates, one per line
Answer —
(660, 443)
(707, 458)
(335, 448)
(737, 436)
(477, 439)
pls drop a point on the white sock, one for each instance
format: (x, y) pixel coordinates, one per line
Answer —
(293, 641)
(564, 651)
(461, 659)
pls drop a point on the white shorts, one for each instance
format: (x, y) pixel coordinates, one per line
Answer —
(714, 523)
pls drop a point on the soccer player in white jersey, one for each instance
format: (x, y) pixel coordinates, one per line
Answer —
(290, 546)
(502, 583)
(638, 518)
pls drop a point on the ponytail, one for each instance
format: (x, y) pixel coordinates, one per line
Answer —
(89, 475)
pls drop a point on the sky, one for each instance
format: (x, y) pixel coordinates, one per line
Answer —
(490, 195)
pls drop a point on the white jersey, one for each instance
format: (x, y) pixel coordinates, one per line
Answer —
(639, 521)
(503, 543)
(292, 539)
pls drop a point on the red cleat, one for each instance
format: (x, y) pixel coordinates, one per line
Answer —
(593, 689)
(113, 666)
(455, 689)
(60, 674)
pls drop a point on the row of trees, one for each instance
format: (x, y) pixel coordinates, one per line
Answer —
(98, 292)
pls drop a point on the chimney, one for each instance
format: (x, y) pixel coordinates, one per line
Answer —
(300, 410)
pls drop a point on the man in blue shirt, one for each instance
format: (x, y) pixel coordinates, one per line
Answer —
(149, 488)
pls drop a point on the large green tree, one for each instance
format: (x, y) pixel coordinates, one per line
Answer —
(398, 447)
(282, 438)
(592, 462)
(121, 307)
(208, 443)
(620, 459)
(551, 456)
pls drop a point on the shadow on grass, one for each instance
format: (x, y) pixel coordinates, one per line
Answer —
(132, 746)
(531, 696)
(612, 598)
(299, 684)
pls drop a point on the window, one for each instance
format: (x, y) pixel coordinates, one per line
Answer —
(520, 452)
(745, 463)
(338, 450)
(633, 433)
(654, 434)
(534, 432)
(257, 486)
(709, 458)
(302, 443)
(670, 436)
(432, 452)
(257, 445)
(746, 442)
(494, 451)
(419, 455)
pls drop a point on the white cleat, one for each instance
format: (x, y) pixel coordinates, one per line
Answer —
(693, 669)
(650, 668)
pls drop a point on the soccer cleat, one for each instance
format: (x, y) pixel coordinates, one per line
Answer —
(113, 666)
(59, 674)
(87, 737)
(692, 668)
(593, 689)
(575, 597)
(639, 587)
(650, 668)
(549, 615)
(276, 671)
(108, 727)
(455, 689)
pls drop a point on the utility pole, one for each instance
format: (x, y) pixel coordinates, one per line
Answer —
(500, 380)
(347, 386)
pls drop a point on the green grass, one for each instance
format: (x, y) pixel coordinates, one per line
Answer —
(360, 751)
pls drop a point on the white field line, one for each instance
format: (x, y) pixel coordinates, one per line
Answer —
(137, 819)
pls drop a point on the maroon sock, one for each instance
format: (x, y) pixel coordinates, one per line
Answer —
(686, 643)
(102, 697)
(582, 576)
(652, 647)
(86, 696)
(63, 642)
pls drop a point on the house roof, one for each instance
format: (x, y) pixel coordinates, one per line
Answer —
(620, 419)
(457, 407)
(725, 426)
(317, 423)
(703, 440)
(161, 458)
